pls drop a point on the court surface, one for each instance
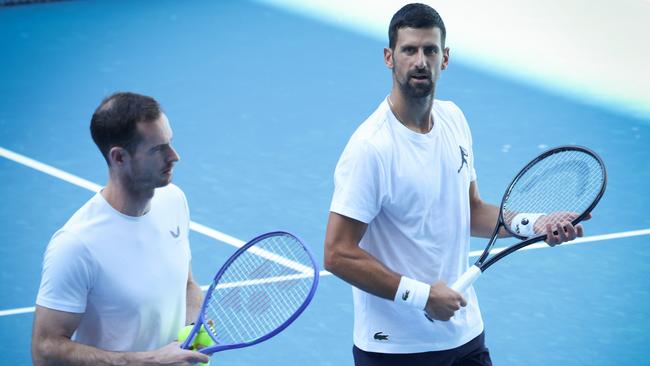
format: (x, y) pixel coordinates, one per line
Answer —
(262, 100)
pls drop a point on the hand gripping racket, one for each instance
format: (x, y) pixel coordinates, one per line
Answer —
(564, 183)
(258, 292)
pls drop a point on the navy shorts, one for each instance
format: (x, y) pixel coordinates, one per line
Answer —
(472, 353)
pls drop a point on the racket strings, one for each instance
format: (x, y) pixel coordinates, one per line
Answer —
(559, 196)
(235, 322)
(564, 184)
(256, 295)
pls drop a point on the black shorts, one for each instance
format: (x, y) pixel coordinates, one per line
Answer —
(472, 353)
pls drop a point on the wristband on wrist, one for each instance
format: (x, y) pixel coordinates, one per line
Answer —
(412, 293)
(524, 223)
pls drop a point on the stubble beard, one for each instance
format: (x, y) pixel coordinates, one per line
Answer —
(415, 92)
(146, 184)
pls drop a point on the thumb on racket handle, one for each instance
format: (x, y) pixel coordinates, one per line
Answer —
(466, 280)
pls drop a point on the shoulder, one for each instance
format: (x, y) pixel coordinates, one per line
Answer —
(374, 134)
(450, 110)
(87, 215)
(68, 247)
(452, 116)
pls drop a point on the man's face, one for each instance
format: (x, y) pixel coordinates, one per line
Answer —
(154, 157)
(417, 60)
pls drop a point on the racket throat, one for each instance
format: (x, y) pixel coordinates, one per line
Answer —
(488, 247)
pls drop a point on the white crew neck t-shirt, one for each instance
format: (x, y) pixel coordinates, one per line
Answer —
(412, 190)
(127, 275)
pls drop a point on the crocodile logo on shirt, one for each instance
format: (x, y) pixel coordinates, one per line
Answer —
(405, 295)
(177, 233)
(463, 156)
(380, 336)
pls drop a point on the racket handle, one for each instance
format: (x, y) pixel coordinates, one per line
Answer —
(466, 280)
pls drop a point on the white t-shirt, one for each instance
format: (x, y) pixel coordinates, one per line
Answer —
(413, 192)
(127, 275)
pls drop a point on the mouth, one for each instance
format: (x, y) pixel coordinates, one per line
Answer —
(421, 77)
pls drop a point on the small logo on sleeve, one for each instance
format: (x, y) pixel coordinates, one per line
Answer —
(405, 295)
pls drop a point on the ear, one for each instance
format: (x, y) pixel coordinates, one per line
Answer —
(117, 156)
(445, 58)
(388, 57)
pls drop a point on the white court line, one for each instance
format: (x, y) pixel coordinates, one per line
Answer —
(17, 311)
(83, 183)
(238, 243)
(587, 239)
(44, 168)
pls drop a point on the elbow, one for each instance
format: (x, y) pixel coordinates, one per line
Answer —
(42, 351)
(331, 258)
(49, 350)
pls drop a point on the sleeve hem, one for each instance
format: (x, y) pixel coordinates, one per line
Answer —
(67, 307)
(351, 213)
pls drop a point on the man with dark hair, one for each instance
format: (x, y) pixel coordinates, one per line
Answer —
(405, 203)
(117, 283)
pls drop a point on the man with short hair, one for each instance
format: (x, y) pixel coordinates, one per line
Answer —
(405, 203)
(117, 283)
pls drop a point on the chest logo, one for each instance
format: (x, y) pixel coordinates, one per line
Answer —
(177, 233)
(463, 157)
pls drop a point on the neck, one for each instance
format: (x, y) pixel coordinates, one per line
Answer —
(413, 113)
(125, 199)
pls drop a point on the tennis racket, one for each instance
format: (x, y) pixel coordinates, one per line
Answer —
(564, 184)
(258, 292)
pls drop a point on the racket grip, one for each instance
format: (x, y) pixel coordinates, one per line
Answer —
(467, 279)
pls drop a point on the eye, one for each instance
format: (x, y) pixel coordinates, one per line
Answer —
(432, 50)
(158, 148)
(408, 50)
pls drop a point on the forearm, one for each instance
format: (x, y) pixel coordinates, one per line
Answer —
(484, 220)
(347, 260)
(61, 351)
(362, 270)
(193, 302)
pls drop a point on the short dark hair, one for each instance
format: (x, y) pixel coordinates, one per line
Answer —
(114, 122)
(415, 16)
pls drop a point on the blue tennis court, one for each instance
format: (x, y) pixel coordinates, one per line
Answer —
(262, 98)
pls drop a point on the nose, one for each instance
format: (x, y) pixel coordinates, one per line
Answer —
(421, 60)
(173, 155)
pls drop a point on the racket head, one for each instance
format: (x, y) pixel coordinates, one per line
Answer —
(568, 180)
(260, 290)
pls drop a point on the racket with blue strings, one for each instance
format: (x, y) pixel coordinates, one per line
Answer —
(563, 184)
(257, 293)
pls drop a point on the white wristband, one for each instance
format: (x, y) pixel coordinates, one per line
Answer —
(524, 223)
(413, 293)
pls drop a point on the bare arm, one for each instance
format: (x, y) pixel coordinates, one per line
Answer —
(484, 216)
(347, 260)
(194, 299)
(51, 345)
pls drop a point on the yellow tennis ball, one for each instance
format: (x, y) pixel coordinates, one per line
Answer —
(203, 339)
(183, 333)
